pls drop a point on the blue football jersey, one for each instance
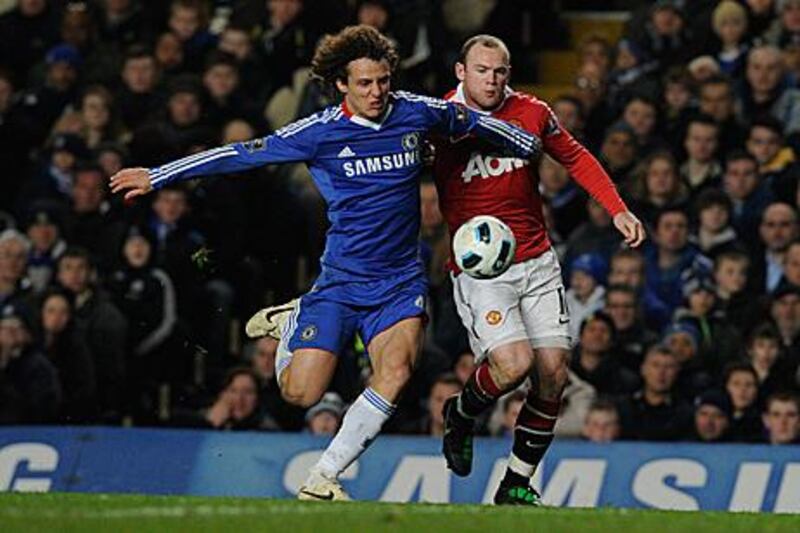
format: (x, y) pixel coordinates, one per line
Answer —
(367, 172)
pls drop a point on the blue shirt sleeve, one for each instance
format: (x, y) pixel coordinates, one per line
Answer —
(293, 143)
(456, 119)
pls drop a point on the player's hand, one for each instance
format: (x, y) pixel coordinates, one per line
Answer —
(631, 228)
(134, 180)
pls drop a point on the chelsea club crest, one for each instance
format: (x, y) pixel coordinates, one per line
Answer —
(411, 141)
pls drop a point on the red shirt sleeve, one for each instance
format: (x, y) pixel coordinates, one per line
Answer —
(581, 164)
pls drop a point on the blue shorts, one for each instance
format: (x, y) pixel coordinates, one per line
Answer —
(327, 324)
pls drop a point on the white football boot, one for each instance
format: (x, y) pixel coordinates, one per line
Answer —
(322, 488)
(268, 322)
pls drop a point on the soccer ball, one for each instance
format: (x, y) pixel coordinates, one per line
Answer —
(483, 247)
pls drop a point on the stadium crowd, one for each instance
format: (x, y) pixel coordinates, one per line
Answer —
(133, 314)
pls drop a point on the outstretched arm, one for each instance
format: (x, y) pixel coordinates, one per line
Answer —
(589, 174)
(296, 142)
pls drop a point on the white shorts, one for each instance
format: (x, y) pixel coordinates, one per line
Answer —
(527, 302)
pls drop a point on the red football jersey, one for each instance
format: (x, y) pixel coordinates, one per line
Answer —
(474, 178)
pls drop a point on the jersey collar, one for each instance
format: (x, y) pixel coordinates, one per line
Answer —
(367, 123)
(459, 97)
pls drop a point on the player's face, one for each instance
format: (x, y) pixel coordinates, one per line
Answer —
(367, 89)
(485, 75)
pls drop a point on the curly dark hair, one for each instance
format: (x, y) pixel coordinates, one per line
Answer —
(335, 52)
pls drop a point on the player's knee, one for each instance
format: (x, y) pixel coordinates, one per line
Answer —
(510, 369)
(299, 395)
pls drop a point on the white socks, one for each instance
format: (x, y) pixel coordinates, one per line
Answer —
(360, 426)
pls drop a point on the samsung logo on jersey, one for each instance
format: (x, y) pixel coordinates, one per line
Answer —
(385, 163)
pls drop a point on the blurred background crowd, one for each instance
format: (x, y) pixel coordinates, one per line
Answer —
(133, 314)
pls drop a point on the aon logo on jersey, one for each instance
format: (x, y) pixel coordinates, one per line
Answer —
(488, 166)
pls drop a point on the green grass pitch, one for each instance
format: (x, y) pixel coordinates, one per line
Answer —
(58, 512)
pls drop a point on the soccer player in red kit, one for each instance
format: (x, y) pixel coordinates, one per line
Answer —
(518, 321)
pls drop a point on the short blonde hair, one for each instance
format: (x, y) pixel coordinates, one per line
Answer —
(726, 10)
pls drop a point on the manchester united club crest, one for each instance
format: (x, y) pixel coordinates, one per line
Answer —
(494, 317)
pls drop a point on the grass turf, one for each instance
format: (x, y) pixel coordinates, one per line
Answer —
(120, 513)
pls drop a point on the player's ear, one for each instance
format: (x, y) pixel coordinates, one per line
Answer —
(461, 71)
(341, 85)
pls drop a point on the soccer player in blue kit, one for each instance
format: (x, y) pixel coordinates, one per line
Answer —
(364, 157)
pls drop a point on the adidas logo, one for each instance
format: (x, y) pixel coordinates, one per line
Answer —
(347, 152)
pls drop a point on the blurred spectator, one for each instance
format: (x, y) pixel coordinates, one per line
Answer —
(633, 337)
(602, 423)
(730, 277)
(287, 35)
(713, 233)
(767, 92)
(261, 354)
(632, 74)
(101, 325)
(188, 21)
(44, 104)
(509, 407)
(432, 423)
(641, 114)
(718, 101)
(683, 340)
(99, 116)
(236, 405)
(749, 197)
(28, 30)
(14, 286)
(677, 104)
(655, 186)
(701, 169)
(791, 264)
(712, 417)
(70, 356)
(44, 233)
(591, 89)
(221, 80)
(761, 15)
(656, 412)
(54, 179)
(586, 292)
(255, 81)
(730, 25)
(785, 313)
(464, 366)
(719, 341)
(665, 36)
(596, 236)
(782, 418)
(618, 152)
(137, 97)
(777, 230)
(32, 377)
(669, 256)
(576, 399)
(92, 223)
(595, 360)
(567, 199)
(570, 114)
(764, 350)
(741, 384)
(146, 297)
(324, 417)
